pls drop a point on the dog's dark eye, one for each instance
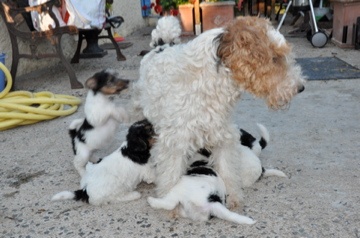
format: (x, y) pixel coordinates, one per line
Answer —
(161, 42)
(275, 60)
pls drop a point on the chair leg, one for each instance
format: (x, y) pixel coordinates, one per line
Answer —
(120, 56)
(75, 84)
(76, 57)
(15, 59)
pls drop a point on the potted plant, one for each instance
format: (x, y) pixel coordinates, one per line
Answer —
(216, 13)
(186, 15)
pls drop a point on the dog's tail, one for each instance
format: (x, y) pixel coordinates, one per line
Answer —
(219, 210)
(256, 145)
(78, 195)
(272, 172)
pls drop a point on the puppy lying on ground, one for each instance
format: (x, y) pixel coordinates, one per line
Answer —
(199, 195)
(102, 117)
(116, 176)
(251, 169)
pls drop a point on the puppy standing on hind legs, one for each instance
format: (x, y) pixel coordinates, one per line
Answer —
(102, 117)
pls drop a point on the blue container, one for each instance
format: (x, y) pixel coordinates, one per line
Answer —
(145, 4)
(2, 75)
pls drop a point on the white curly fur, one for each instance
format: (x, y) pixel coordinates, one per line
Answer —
(167, 31)
(188, 92)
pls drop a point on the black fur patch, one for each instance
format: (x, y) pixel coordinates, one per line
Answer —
(81, 195)
(246, 139)
(102, 80)
(262, 143)
(80, 134)
(138, 142)
(201, 171)
(204, 152)
(199, 163)
(72, 134)
(86, 126)
(160, 42)
(262, 173)
(214, 198)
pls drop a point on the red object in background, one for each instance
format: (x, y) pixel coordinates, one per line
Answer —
(174, 12)
(158, 9)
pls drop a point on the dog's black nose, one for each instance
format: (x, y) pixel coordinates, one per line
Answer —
(301, 88)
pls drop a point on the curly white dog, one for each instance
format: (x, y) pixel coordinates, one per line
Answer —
(188, 92)
(167, 31)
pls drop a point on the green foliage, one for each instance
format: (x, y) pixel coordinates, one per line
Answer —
(172, 4)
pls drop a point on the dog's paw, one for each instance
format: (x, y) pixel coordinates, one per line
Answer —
(233, 202)
(124, 115)
(152, 202)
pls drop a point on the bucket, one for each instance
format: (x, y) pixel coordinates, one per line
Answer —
(2, 75)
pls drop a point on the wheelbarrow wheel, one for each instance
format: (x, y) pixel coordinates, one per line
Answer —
(319, 39)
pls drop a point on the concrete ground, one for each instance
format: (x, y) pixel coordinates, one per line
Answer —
(315, 142)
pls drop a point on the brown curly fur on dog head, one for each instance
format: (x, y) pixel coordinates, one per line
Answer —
(260, 62)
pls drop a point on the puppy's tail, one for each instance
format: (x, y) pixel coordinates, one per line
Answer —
(220, 211)
(272, 172)
(78, 195)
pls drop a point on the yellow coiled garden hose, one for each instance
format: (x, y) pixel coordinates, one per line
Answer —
(23, 108)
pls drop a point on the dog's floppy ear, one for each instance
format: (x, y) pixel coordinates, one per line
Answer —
(91, 83)
(137, 151)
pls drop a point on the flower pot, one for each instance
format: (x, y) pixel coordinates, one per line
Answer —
(345, 14)
(187, 18)
(216, 14)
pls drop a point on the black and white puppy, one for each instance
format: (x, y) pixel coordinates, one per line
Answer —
(102, 117)
(115, 177)
(199, 195)
(251, 168)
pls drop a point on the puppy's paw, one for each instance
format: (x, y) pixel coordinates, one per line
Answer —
(123, 116)
(233, 202)
(152, 202)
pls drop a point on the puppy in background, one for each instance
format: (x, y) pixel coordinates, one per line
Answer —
(199, 195)
(115, 177)
(102, 117)
(167, 31)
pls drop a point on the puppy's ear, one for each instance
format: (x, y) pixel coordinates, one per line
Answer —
(137, 145)
(91, 83)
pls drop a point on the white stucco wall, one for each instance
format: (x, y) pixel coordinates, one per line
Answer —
(130, 10)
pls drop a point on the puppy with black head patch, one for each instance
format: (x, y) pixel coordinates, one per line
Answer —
(102, 117)
(199, 195)
(115, 177)
(251, 169)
